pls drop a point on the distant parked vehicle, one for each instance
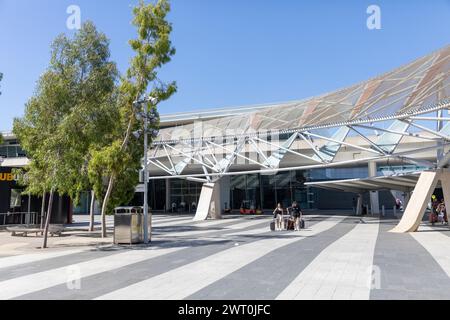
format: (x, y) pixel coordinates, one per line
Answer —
(248, 207)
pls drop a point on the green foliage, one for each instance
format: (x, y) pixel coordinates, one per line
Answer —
(120, 161)
(77, 127)
(111, 160)
(74, 108)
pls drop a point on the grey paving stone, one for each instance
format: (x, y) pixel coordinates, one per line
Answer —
(53, 263)
(265, 278)
(97, 285)
(48, 264)
(408, 271)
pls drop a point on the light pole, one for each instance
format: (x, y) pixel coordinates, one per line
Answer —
(144, 114)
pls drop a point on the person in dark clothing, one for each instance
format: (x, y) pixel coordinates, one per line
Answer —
(434, 214)
(442, 212)
(297, 215)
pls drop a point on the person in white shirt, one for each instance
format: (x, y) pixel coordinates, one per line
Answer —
(278, 216)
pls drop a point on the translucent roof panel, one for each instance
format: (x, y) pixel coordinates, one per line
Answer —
(422, 82)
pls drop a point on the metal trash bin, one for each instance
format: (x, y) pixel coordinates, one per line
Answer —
(128, 225)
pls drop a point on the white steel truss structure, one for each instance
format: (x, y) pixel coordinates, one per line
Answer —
(402, 115)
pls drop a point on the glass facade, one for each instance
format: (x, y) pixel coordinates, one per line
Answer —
(256, 191)
(84, 206)
(184, 195)
(157, 190)
(264, 192)
(338, 173)
(390, 170)
(11, 151)
(16, 198)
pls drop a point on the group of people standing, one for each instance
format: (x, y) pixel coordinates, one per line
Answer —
(294, 214)
(438, 211)
(183, 207)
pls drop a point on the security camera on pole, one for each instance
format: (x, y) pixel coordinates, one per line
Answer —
(148, 117)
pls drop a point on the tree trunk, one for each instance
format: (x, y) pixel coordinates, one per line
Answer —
(91, 212)
(105, 205)
(112, 178)
(43, 210)
(49, 216)
(127, 135)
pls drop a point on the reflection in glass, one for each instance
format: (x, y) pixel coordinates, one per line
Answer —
(16, 198)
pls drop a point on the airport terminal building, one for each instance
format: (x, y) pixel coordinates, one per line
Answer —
(253, 190)
(361, 146)
(370, 141)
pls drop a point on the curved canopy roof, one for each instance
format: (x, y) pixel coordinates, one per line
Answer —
(423, 82)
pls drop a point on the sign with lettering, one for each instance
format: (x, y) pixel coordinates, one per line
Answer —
(7, 177)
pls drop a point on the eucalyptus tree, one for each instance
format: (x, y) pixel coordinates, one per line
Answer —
(94, 117)
(72, 110)
(38, 134)
(121, 160)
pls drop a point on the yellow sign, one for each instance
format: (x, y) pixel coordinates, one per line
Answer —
(6, 177)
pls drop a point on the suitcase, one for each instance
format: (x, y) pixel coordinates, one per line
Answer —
(290, 225)
(272, 226)
(302, 224)
(433, 217)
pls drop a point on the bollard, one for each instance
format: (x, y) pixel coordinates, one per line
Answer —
(395, 212)
(383, 211)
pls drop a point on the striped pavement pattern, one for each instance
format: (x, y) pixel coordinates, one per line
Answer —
(335, 257)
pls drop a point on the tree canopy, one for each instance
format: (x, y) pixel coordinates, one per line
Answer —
(77, 128)
(74, 108)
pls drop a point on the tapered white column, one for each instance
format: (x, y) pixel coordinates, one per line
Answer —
(209, 203)
(445, 182)
(359, 205)
(415, 210)
(374, 196)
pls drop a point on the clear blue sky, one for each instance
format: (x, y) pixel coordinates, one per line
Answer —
(232, 52)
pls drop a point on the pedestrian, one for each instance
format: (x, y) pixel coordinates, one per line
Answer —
(434, 215)
(444, 209)
(297, 215)
(183, 206)
(442, 213)
(278, 216)
(174, 207)
(398, 204)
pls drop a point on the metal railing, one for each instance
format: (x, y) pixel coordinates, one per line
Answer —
(19, 218)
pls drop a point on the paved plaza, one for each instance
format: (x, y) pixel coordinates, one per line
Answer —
(335, 257)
